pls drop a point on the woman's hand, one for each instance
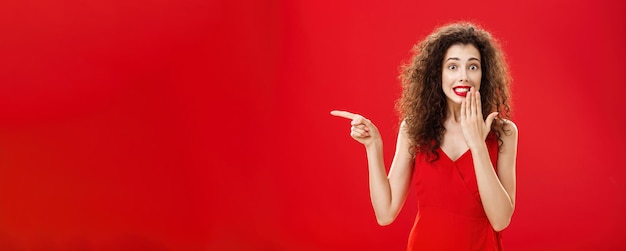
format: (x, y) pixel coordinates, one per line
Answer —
(475, 130)
(362, 130)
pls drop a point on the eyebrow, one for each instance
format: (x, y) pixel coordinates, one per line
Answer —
(460, 59)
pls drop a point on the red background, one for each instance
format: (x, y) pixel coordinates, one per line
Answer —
(195, 125)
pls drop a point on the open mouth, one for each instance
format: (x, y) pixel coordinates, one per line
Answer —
(461, 90)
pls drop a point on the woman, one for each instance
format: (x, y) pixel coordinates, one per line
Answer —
(461, 160)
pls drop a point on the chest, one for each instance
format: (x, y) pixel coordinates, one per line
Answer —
(453, 143)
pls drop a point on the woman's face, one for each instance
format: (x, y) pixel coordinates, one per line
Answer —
(461, 70)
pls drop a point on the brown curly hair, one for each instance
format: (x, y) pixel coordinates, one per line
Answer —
(423, 102)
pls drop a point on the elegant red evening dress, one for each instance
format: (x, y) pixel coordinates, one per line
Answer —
(450, 213)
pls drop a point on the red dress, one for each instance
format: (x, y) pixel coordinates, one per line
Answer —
(450, 213)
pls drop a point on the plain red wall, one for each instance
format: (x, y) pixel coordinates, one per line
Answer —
(204, 125)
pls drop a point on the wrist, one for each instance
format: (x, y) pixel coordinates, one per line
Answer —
(482, 146)
(375, 145)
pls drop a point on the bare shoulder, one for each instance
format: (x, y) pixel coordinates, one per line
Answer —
(508, 135)
(508, 129)
(403, 124)
(404, 128)
(404, 145)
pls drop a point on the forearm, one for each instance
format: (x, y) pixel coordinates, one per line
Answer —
(380, 189)
(496, 201)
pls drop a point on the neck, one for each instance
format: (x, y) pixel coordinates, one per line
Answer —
(454, 112)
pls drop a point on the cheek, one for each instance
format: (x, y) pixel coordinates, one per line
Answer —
(478, 78)
(446, 78)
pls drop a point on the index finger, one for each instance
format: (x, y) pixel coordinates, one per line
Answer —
(343, 114)
(479, 107)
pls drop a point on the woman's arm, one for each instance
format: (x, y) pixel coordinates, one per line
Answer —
(497, 190)
(387, 192)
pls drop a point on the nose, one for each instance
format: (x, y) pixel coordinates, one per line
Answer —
(463, 76)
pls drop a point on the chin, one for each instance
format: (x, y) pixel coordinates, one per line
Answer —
(455, 100)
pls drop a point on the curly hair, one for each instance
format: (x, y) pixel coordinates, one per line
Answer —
(423, 103)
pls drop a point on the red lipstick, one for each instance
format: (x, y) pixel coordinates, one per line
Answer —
(461, 90)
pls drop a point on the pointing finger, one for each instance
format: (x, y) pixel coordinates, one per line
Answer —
(343, 114)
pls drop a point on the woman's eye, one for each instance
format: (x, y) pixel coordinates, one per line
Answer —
(474, 67)
(452, 67)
